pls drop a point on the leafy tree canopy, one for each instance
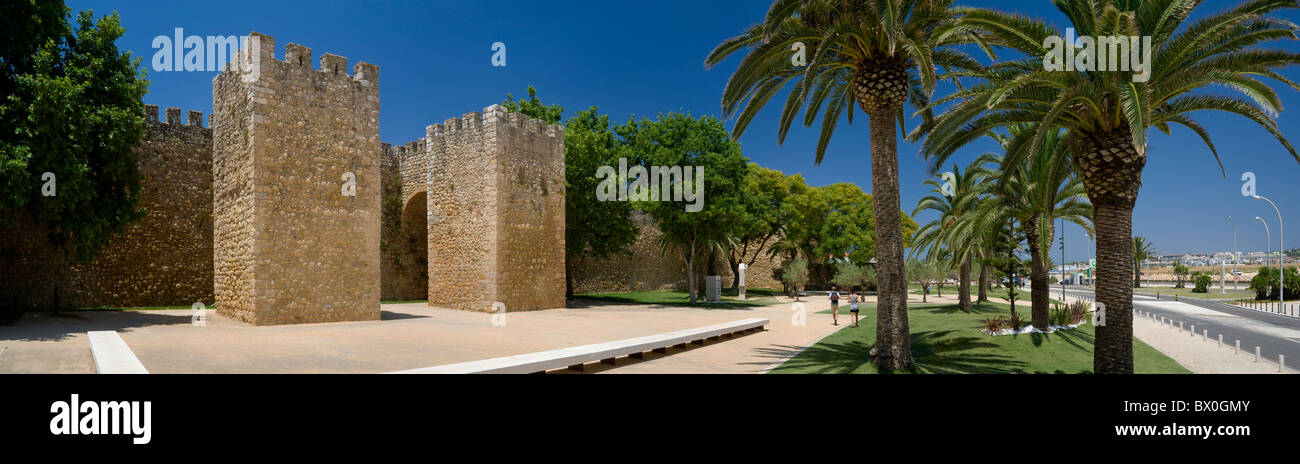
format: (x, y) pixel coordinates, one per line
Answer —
(72, 107)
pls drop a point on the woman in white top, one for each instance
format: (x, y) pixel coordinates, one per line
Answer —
(853, 306)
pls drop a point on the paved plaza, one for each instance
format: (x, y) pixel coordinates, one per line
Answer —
(409, 335)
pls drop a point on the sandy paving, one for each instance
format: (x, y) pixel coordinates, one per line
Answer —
(409, 336)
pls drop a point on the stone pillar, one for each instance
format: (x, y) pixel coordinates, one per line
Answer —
(713, 289)
(291, 245)
(742, 281)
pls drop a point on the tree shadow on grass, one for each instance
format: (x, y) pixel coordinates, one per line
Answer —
(939, 352)
(1074, 337)
(935, 352)
(977, 308)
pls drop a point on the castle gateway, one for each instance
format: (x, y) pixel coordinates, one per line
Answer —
(288, 208)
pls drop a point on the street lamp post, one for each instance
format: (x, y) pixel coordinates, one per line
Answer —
(1062, 260)
(1281, 259)
(1234, 257)
(1268, 241)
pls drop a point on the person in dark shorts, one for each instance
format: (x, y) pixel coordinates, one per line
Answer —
(853, 306)
(835, 306)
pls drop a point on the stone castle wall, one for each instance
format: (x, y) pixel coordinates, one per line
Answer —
(290, 247)
(648, 268)
(404, 243)
(530, 203)
(495, 186)
(163, 259)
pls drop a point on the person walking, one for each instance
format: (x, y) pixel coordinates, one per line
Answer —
(853, 306)
(835, 306)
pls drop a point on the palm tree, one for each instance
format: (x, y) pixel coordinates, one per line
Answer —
(1142, 250)
(1180, 270)
(879, 54)
(1108, 113)
(1036, 191)
(953, 198)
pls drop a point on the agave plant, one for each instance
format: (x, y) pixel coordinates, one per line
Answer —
(1107, 113)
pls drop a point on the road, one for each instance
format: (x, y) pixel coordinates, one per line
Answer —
(1274, 334)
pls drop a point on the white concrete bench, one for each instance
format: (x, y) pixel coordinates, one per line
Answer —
(111, 354)
(575, 357)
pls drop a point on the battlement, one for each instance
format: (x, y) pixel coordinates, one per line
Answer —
(271, 211)
(173, 115)
(488, 120)
(297, 56)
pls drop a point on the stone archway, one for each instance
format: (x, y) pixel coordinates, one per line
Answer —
(415, 246)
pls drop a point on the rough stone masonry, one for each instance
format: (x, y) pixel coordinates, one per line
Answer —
(289, 245)
(496, 212)
(249, 212)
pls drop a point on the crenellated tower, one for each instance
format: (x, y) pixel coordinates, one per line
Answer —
(290, 245)
(495, 183)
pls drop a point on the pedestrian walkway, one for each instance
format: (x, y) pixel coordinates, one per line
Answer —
(409, 336)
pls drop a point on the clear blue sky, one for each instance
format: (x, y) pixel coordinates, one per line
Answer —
(643, 58)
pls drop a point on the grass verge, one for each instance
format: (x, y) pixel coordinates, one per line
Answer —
(946, 340)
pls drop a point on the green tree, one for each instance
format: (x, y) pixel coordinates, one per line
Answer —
(954, 198)
(1143, 250)
(1035, 191)
(593, 229)
(879, 54)
(533, 108)
(923, 273)
(827, 223)
(678, 139)
(71, 106)
(1180, 270)
(1265, 283)
(1203, 282)
(795, 275)
(1108, 113)
(851, 276)
(764, 215)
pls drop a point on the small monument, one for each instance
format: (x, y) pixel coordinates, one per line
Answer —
(713, 289)
(741, 275)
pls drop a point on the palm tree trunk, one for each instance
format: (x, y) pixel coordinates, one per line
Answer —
(963, 286)
(690, 274)
(1040, 302)
(893, 348)
(1137, 275)
(1111, 168)
(734, 263)
(1114, 342)
(985, 281)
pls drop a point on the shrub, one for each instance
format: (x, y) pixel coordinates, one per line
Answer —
(994, 324)
(1014, 322)
(1060, 315)
(1079, 311)
(1203, 282)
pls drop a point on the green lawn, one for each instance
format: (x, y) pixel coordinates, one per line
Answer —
(946, 340)
(1212, 295)
(754, 297)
